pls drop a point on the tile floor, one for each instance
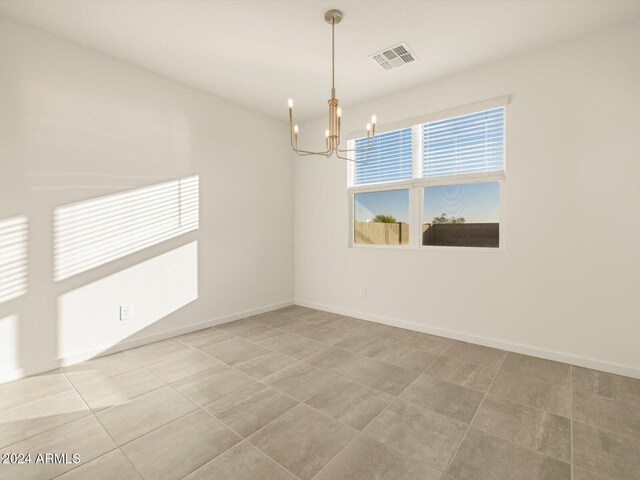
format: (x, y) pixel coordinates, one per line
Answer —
(302, 394)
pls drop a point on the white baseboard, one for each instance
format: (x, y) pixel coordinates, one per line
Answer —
(135, 342)
(577, 360)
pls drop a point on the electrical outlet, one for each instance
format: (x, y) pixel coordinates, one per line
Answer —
(126, 312)
(363, 292)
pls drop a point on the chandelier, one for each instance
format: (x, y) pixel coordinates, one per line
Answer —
(332, 134)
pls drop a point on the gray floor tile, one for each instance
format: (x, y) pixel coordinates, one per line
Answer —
(154, 352)
(424, 341)
(545, 432)
(325, 319)
(241, 462)
(362, 344)
(545, 396)
(234, 351)
(478, 354)
(606, 385)
(211, 384)
(86, 437)
(181, 366)
(418, 433)
(260, 332)
(582, 474)
(266, 364)
(300, 380)
(349, 371)
(537, 369)
(202, 338)
(303, 440)
(296, 326)
(19, 392)
(250, 408)
(454, 401)
(41, 415)
(351, 403)
(606, 453)
(110, 466)
(173, 451)
(350, 323)
(485, 457)
(100, 368)
(406, 357)
(334, 359)
(380, 375)
(462, 373)
(368, 459)
(326, 335)
(238, 326)
(620, 416)
(291, 344)
(272, 319)
(147, 412)
(118, 389)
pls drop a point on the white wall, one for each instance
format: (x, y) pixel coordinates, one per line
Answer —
(76, 125)
(566, 287)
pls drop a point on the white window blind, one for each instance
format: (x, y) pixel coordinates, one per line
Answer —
(389, 160)
(467, 144)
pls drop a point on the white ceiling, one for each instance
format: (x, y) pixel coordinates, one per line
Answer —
(259, 53)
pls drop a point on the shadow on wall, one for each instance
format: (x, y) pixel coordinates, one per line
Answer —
(13, 257)
(87, 236)
(91, 233)
(14, 237)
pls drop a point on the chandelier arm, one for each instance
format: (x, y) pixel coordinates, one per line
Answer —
(362, 149)
(351, 159)
(304, 153)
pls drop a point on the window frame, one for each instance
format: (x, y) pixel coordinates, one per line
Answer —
(416, 185)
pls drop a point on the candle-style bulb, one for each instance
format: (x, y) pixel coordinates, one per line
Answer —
(374, 119)
(290, 103)
(368, 127)
(326, 133)
(339, 112)
(296, 129)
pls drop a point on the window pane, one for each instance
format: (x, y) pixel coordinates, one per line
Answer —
(464, 215)
(389, 158)
(382, 218)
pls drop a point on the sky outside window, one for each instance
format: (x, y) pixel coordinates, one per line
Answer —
(390, 202)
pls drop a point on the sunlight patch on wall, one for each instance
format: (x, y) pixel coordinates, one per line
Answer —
(94, 232)
(88, 317)
(8, 347)
(13, 257)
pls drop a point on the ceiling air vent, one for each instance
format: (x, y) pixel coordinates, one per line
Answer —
(393, 57)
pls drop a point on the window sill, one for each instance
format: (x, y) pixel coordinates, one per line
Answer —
(434, 248)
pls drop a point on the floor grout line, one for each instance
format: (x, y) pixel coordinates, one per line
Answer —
(299, 402)
(485, 393)
(313, 394)
(455, 453)
(361, 432)
(117, 447)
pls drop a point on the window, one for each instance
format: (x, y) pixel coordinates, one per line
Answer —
(435, 183)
